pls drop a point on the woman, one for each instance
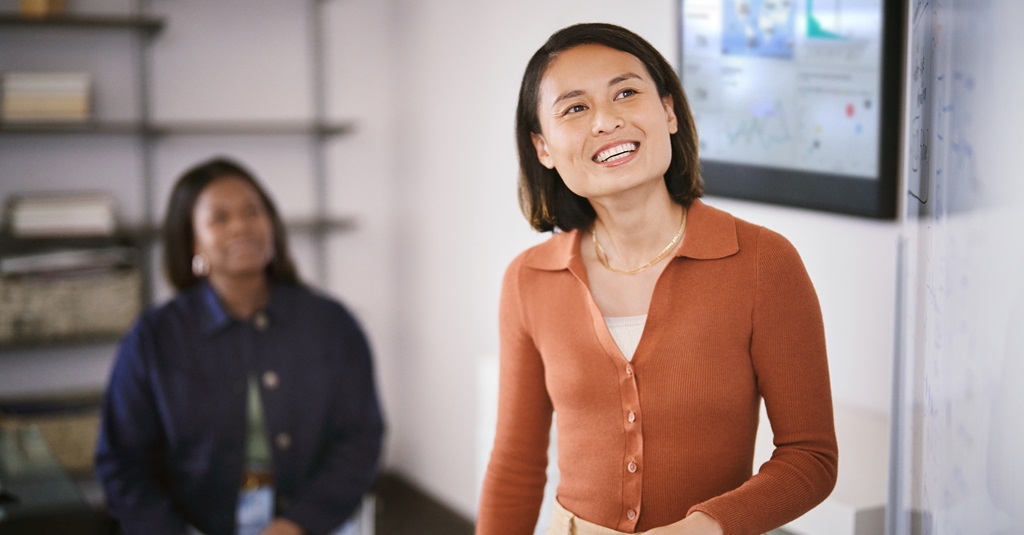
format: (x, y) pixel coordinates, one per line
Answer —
(653, 324)
(246, 404)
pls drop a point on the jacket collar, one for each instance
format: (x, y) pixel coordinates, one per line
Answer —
(710, 234)
(213, 317)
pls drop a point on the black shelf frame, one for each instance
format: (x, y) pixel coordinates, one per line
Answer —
(103, 22)
(145, 236)
(192, 128)
(140, 235)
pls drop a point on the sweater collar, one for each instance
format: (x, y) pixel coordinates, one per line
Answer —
(710, 234)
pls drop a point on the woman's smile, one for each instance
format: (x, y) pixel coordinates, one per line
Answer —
(617, 152)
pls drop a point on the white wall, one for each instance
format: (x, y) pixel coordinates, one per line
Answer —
(460, 64)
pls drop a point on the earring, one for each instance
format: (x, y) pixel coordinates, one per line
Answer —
(200, 266)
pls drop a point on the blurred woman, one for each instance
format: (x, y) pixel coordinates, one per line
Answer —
(247, 403)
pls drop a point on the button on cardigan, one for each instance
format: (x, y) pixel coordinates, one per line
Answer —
(734, 319)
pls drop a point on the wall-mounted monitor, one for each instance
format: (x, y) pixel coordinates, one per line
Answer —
(797, 102)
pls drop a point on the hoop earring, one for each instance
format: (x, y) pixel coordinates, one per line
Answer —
(200, 266)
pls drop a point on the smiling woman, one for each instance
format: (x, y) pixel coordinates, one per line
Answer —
(246, 404)
(232, 232)
(656, 338)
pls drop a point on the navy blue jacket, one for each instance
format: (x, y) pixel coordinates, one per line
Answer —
(173, 432)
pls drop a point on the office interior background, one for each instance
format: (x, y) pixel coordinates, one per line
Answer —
(427, 176)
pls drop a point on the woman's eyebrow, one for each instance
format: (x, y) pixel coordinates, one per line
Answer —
(567, 95)
(577, 92)
(623, 77)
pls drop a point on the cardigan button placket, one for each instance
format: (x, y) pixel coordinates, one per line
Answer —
(632, 478)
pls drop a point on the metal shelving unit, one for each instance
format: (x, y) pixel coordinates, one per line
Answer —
(149, 134)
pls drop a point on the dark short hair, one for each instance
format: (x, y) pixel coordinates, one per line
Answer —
(543, 197)
(179, 235)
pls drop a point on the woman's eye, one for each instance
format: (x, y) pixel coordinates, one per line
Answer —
(626, 93)
(574, 109)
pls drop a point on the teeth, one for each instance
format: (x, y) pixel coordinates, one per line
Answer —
(618, 151)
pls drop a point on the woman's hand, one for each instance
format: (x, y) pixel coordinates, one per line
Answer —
(697, 523)
(283, 526)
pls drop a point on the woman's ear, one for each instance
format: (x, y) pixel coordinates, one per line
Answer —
(670, 110)
(542, 150)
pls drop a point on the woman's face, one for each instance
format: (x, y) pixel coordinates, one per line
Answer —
(604, 127)
(232, 228)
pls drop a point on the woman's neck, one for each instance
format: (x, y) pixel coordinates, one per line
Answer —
(242, 296)
(632, 234)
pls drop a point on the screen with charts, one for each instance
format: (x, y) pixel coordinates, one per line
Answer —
(795, 100)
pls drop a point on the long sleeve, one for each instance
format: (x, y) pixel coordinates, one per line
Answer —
(130, 442)
(514, 484)
(788, 354)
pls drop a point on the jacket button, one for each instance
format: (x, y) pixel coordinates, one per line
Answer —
(631, 514)
(271, 380)
(260, 321)
(283, 441)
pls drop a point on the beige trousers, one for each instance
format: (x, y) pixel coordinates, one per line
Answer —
(564, 522)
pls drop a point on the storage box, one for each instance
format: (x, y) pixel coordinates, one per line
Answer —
(68, 424)
(69, 306)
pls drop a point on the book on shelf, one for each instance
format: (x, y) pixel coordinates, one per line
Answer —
(42, 8)
(45, 97)
(62, 215)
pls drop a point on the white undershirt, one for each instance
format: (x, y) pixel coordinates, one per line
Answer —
(626, 330)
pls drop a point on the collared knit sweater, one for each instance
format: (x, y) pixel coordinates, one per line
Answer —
(734, 318)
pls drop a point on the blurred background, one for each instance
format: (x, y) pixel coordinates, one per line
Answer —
(384, 130)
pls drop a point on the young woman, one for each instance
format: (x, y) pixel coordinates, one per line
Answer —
(245, 405)
(652, 323)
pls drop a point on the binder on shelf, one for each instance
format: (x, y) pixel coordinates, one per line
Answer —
(45, 97)
(62, 215)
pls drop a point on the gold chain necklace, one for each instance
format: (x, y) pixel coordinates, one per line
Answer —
(602, 256)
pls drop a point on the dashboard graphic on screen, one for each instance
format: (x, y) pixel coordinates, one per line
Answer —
(796, 101)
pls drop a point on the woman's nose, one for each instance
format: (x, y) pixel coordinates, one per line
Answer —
(239, 223)
(606, 119)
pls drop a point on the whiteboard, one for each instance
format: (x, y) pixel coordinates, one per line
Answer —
(958, 404)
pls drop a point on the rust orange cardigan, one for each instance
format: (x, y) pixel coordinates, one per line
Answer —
(734, 319)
